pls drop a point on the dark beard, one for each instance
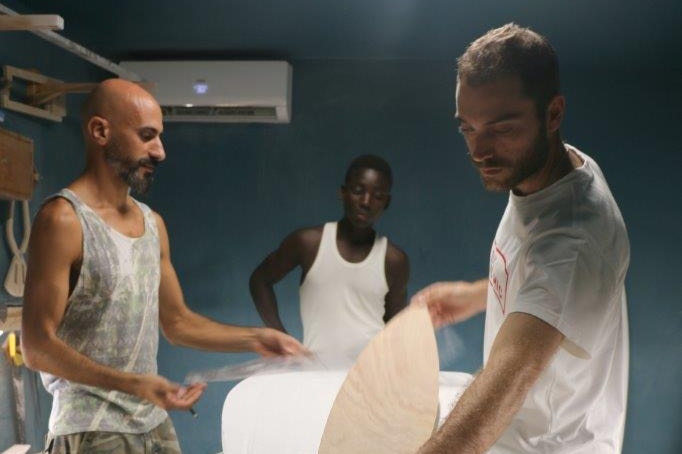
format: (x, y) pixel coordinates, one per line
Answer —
(128, 170)
(530, 164)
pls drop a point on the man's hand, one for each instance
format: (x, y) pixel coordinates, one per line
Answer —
(270, 342)
(167, 395)
(452, 302)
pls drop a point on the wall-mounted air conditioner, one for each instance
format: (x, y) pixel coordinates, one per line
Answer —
(219, 91)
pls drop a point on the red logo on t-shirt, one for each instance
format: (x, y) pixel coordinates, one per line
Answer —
(499, 276)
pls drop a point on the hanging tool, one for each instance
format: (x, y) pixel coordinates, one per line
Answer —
(16, 276)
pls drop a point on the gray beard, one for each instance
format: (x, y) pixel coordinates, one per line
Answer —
(128, 171)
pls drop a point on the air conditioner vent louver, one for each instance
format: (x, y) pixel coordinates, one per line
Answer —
(220, 114)
(219, 91)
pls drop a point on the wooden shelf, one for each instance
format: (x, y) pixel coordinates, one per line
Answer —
(31, 22)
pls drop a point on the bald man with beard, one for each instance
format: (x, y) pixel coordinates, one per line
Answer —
(100, 282)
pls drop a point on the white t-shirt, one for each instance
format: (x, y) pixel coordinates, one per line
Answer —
(561, 254)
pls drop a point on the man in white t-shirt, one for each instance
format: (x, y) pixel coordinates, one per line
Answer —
(555, 369)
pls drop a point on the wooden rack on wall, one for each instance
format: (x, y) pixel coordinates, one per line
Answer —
(73, 47)
(44, 96)
(31, 22)
(54, 109)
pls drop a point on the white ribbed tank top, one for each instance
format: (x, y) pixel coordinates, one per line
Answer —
(342, 303)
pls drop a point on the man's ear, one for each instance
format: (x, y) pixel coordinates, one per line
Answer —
(555, 114)
(98, 130)
(341, 192)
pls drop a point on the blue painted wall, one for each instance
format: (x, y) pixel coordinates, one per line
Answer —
(229, 193)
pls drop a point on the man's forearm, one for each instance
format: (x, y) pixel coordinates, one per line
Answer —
(481, 415)
(266, 304)
(197, 331)
(522, 349)
(53, 356)
(480, 293)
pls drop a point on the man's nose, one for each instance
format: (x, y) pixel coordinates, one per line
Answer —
(480, 147)
(157, 151)
(365, 199)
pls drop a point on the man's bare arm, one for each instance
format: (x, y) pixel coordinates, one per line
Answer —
(271, 270)
(523, 348)
(183, 326)
(453, 302)
(397, 276)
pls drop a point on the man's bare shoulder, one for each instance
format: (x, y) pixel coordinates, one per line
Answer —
(56, 232)
(306, 237)
(57, 216)
(159, 219)
(396, 256)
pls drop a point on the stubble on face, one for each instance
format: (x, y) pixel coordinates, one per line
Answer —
(504, 132)
(128, 170)
(517, 170)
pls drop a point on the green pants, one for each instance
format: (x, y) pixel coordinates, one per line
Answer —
(160, 440)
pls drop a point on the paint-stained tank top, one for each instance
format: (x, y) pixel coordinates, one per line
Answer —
(112, 318)
(343, 303)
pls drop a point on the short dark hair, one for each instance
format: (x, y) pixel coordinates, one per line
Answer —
(511, 50)
(370, 161)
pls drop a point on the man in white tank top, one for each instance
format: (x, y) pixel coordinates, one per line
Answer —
(352, 280)
(100, 282)
(555, 373)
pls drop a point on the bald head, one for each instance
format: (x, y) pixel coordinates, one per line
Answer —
(122, 126)
(114, 99)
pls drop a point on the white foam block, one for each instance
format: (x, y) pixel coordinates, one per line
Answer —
(286, 413)
(17, 449)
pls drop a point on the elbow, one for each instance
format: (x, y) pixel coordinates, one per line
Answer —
(179, 330)
(30, 360)
(172, 334)
(174, 342)
(258, 285)
(31, 352)
(256, 281)
(253, 282)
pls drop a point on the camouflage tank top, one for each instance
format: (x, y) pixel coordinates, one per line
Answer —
(112, 317)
